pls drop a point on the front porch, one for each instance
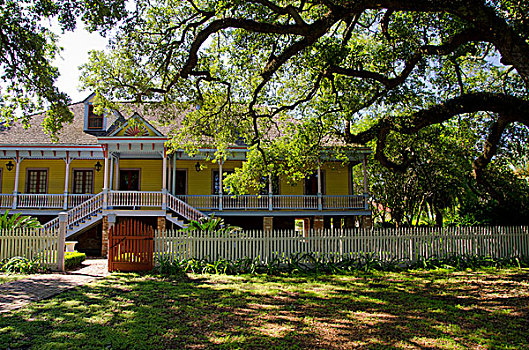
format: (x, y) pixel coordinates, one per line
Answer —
(158, 199)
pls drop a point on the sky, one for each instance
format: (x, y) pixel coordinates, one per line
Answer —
(76, 46)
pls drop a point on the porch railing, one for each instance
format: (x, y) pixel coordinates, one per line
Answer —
(182, 208)
(6, 200)
(25, 200)
(43, 201)
(76, 199)
(275, 202)
(134, 199)
(245, 202)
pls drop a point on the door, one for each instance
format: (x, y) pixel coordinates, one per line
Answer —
(131, 246)
(180, 183)
(129, 179)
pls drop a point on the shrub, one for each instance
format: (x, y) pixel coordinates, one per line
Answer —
(73, 259)
(22, 265)
(309, 263)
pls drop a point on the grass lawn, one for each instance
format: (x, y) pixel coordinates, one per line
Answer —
(434, 309)
(4, 278)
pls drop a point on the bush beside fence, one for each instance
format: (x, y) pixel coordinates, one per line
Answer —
(405, 244)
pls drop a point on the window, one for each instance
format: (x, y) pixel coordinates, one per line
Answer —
(95, 121)
(215, 184)
(83, 181)
(37, 181)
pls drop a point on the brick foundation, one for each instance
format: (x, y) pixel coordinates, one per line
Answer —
(318, 223)
(268, 223)
(161, 224)
(104, 237)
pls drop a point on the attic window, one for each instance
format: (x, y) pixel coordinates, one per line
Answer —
(95, 121)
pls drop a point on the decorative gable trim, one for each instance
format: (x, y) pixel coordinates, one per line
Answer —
(136, 126)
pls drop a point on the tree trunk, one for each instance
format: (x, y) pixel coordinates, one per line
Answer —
(438, 217)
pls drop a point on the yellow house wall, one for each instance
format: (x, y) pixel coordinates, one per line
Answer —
(199, 183)
(336, 178)
(290, 189)
(8, 178)
(150, 172)
(56, 174)
(88, 164)
(336, 181)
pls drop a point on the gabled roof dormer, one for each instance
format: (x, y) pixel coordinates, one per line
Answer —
(93, 122)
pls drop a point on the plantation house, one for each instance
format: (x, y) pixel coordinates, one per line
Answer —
(106, 168)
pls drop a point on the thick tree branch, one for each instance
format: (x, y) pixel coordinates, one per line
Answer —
(511, 109)
(389, 83)
(287, 10)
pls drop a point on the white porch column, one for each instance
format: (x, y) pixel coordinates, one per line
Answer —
(220, 185)
(366, 191)
(270, 192)
(116, 172)
(17, 178)
(169, 174)
(105, 178)
(320, 204)
(66, 180)
(174, 174)
(111, 183)
(164, 179)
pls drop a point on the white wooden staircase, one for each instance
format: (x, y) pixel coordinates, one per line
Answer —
(90, 212)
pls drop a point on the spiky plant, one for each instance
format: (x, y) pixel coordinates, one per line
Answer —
(17, 221)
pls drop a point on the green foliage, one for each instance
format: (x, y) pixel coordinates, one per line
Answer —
(211, 225)
(312, 264)
(20, 265)
(28, 48)
(73, 259)
(16, 221)
(439, 187)
(288, 79)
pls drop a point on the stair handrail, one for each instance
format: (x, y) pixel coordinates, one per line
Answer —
(78, 213)
(182, 208)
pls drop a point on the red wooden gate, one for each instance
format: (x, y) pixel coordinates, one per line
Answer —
(130, 246)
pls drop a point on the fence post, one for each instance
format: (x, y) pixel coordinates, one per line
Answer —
(60, 240)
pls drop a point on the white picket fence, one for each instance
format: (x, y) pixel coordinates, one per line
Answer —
(406, 244)
(30, 243)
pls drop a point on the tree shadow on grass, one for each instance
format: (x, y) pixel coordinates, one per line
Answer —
(256, 312)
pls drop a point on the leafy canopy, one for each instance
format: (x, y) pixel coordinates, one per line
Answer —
(289, 77)
(27, 47)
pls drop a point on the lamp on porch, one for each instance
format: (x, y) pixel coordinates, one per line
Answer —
(10, 166)
(198, 167)
(98, 166)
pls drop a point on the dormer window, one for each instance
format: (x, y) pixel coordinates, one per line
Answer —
(95, 121)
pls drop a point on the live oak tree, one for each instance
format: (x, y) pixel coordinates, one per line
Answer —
(290, 76)
(437, 186)
(27, 47)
